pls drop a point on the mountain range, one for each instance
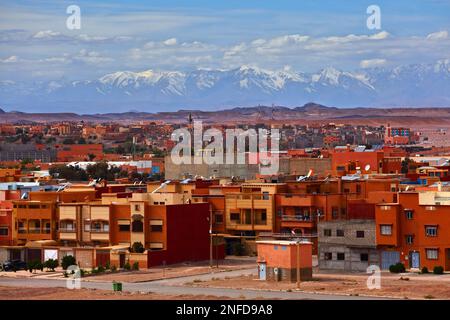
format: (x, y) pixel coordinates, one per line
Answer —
(418, 85)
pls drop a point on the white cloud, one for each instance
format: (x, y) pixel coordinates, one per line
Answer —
(170, 42)
(10, 59)
(438, 35)
(47, 34)
(370, 63)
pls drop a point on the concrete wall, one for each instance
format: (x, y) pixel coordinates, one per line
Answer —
(350, 245)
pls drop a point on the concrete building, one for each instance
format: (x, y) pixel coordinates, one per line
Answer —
(347, 245)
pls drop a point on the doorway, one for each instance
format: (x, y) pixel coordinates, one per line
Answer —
(415, 260)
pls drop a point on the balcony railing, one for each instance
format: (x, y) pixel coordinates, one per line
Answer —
(104, 230)
(34, 230)
(297, 218)
(67, 230)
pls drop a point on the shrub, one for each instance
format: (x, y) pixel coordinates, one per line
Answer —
(397, 268)
(127, 266)
(113, 268)
(67, 261)
(51, 264)
(136, 266)
(107, 265)
(137, 247)
(438, 270)
(35, 265)
(94, 270)
(101, 269)
(82, 272)
(425, 270)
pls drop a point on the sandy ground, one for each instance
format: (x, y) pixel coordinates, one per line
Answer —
(152, 274)
(18, 293)
(174, 271)
(399, 286)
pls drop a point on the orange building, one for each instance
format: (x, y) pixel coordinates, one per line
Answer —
(79, 152)
(413, 230)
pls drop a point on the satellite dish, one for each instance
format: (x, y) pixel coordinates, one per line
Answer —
(407, 188)
(309, 173)
(367, 167)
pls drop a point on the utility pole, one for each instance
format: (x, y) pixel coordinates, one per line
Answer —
(298, 263)
(210, 239)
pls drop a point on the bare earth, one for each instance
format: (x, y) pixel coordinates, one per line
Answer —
(410, 287)
(19, 293)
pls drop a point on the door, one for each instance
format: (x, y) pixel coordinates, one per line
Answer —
(415, 260)
(389, 258)
(121, 260)
(102, 258)
(262, 271)
(447, 259)
(16, 254)
(34, 255)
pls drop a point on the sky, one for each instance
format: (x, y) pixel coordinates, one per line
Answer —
(307, 35)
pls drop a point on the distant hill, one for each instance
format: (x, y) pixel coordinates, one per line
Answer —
(309, 112)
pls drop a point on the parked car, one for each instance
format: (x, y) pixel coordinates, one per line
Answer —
(12, 265)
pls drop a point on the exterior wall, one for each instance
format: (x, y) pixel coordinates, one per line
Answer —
(349, 244)
(187, 235)
(281, 256)
(423, 215)
(79, 152)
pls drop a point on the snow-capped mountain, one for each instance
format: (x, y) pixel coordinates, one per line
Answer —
(412, 85)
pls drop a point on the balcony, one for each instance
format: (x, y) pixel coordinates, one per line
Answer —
(298, 221)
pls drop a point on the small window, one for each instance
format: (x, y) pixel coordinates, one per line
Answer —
(431, 231)
(137, 207)
(275, 247)
(124, 227)
(87, 226)
(360, 234)
(327, 232)
(156, 228)
(409, 214)
(364, 257)
(341, 256)
(283, 247)
(334, 212)
(218, 218)
(432, 254)
(4, 231)
(386, 229)
(409, 239)
(385, 208)
(235, 216)
(339, 233)
(327, 256)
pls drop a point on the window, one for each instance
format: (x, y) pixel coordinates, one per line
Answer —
(432, 254)
(327, 256)
(431, 231)
(156, 228)
(360, 234)
(386, 229)
(218, 218)
(137, 226)
(341, 256)
(385, 208)
(235, 217)
(265, 195)
(364, 257)
(124, 227)
(87, 226)
(334, 212)
(339, 233)
(137, 207)
(409, 214)
(4, 231)
(409, 239)
(430, 208)
(358, 188)
(327, 232)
